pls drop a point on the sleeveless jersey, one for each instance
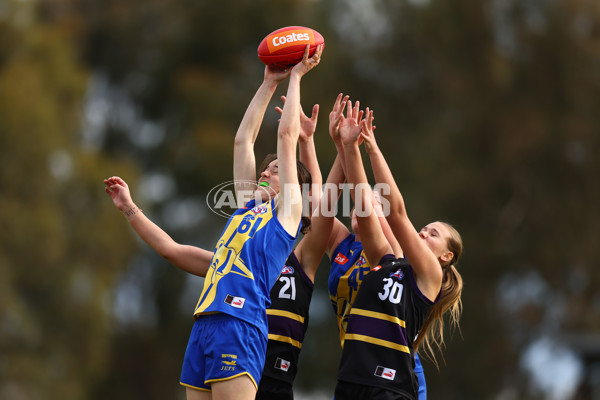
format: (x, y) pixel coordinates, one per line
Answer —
(387, 315)
(288, 320)
(246, 263)
(349, 265)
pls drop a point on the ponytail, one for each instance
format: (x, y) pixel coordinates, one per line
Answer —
(432, 332)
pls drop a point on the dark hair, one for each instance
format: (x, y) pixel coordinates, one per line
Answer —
(304, 177)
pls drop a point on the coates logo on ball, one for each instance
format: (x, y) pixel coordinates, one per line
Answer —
(285, 47)
(280, 41)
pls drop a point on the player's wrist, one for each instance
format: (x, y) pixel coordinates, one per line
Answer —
(306, 139)
(270, 84)
(131, 211)
(372, 150)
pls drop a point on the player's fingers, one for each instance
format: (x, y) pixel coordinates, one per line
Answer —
(337, 102)
(305, 56)
(315, 112)
(319, 50)
(344, 102)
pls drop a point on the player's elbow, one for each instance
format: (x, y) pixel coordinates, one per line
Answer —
(169, 252)
(242, 141)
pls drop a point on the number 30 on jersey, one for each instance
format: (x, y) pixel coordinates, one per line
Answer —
(392, 291)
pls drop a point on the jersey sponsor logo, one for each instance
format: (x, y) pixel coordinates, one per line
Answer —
(234, 301)
(287, 270)
(385, 373)
(341, 259)
(282, 364)
(361, 261)
(398, 274)
(262, 209)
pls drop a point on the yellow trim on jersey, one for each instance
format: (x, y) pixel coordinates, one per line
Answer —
(373, 314)
(232, 377)
(285, 339)
(286, 314)
(380, 342)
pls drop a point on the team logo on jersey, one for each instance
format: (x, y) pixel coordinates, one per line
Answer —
(398, 274)
(341, 259)
(262, 209)
(361, 260)
(282, 364)
(228, 362)
(287, 270)
(385, 373)
(234, 301)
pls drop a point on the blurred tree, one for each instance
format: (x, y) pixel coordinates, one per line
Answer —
(57, 228)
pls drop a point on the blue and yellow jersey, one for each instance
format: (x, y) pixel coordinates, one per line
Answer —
(246, 263)
(348, 268)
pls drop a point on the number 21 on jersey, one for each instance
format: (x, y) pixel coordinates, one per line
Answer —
(288, 290)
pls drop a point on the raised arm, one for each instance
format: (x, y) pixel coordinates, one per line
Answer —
(244, 163)
(374, 242)
(187, 258)
(306, 144)
(310, 249)
(289, 208)
(326, 231)
(308, 154)
(381, 205)
(425, 264)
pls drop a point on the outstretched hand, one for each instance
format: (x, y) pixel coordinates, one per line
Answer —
(308, 126)
(118, 190)
(336, 116)
(367, 131)
(350, 126)
(276, 75)
(307, 62)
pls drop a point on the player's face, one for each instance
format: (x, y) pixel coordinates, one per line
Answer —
(436, 237)
(271, 176)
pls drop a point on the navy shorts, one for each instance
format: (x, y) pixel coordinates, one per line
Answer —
(222, 347)
(274, 389)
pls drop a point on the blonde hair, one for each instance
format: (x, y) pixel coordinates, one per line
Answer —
(432, 331)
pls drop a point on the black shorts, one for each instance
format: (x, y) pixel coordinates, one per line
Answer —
(273, 389)
(354, 391)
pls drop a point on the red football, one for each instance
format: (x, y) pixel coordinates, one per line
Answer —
(285, 47)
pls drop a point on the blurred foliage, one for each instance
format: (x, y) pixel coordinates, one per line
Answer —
(486, 111)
